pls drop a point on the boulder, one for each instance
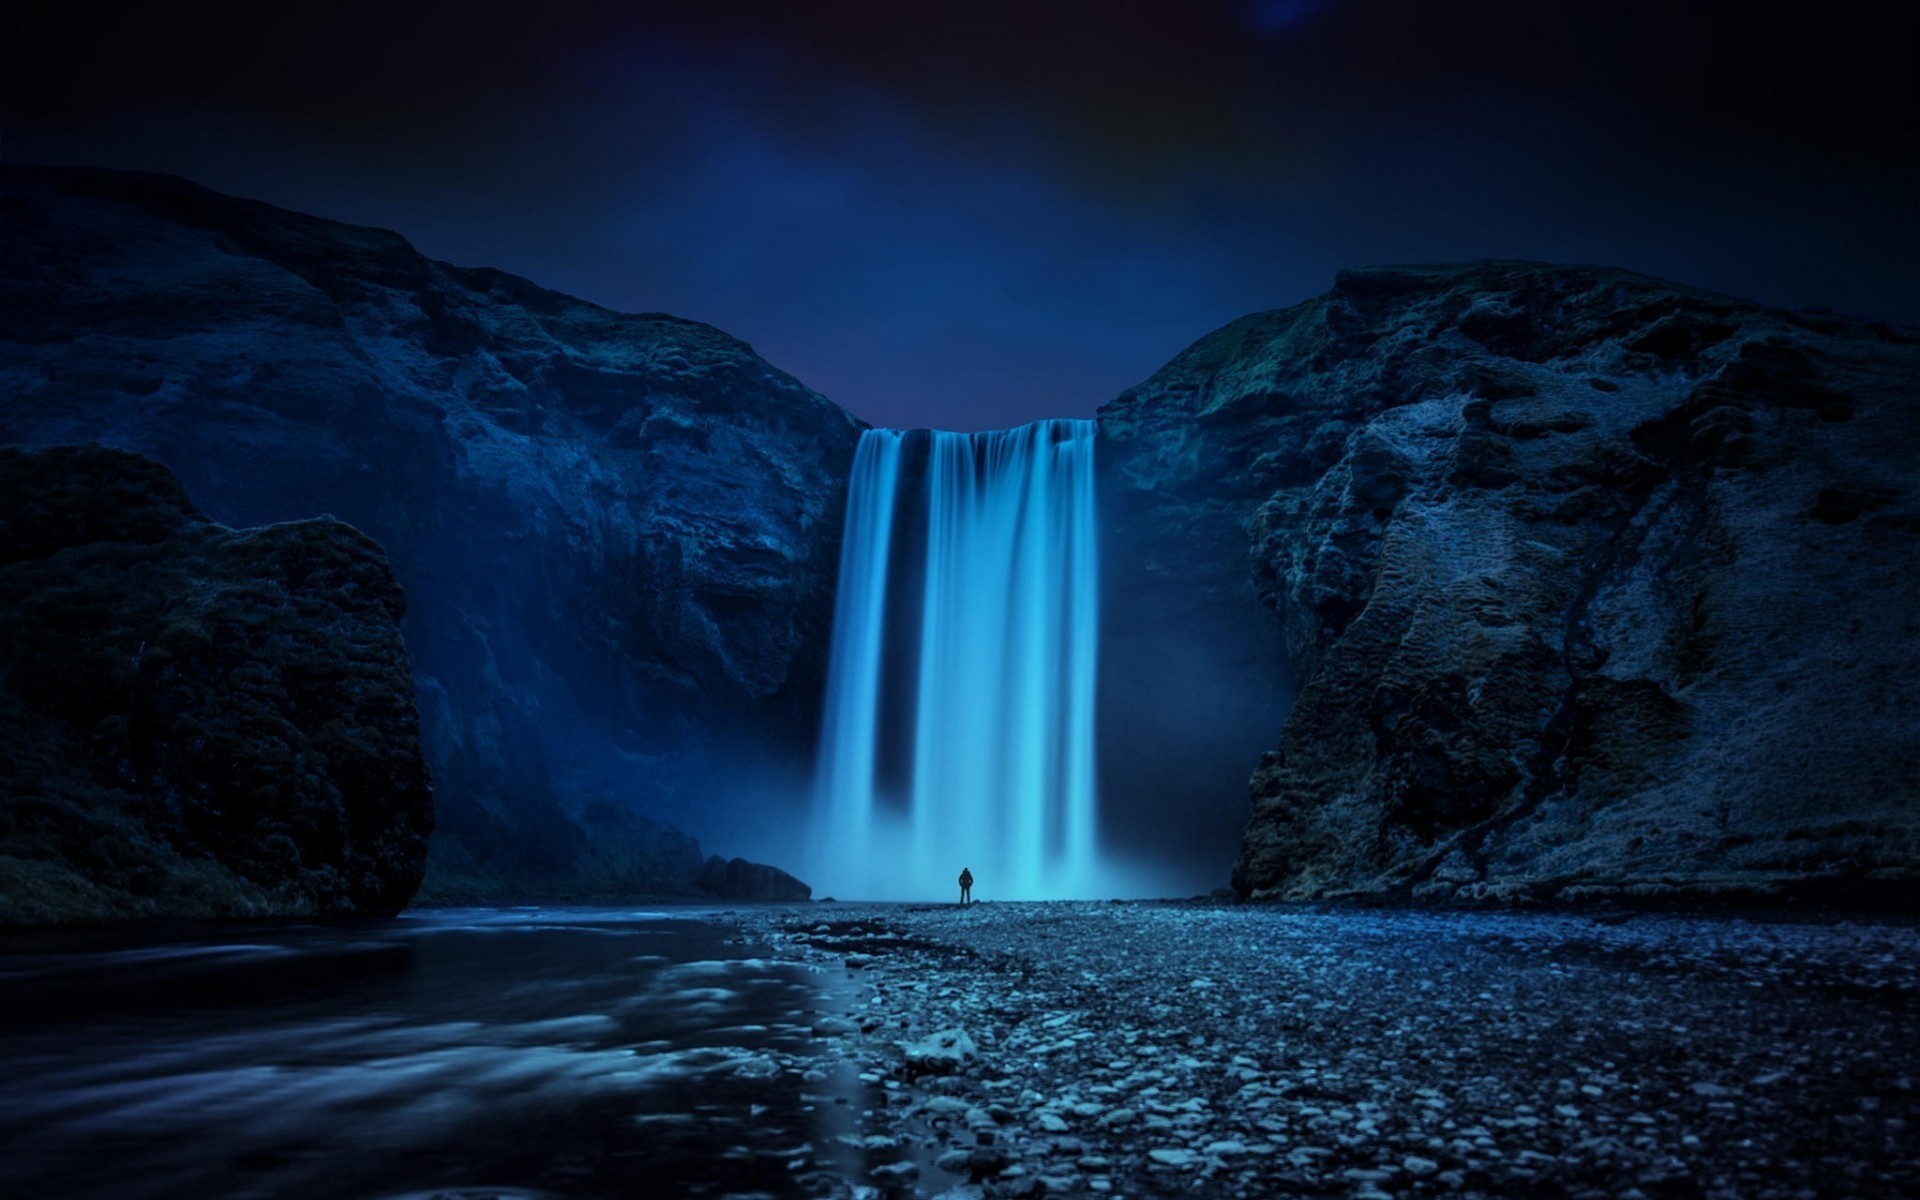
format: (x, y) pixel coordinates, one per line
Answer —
(738, 879)
(940, 1053)
(196, 721)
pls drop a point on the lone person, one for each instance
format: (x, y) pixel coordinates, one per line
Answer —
(966, 886)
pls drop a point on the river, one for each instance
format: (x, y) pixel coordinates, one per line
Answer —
(477, 1052)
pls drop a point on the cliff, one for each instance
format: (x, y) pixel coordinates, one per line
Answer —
(617, 532)
(1592, 584)
(194, 720)
(1568, 581)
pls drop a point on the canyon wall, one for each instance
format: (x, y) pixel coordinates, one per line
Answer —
(617, 533)
(1585, 583)
(1592, 584)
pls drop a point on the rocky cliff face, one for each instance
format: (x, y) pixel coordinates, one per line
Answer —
(195, 720)
(1592, 584)
(1588, 584)
(617, 532)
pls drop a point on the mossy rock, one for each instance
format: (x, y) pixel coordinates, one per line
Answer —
(196, 721)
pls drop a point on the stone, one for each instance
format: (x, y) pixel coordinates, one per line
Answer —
(196, 721)
(987, 1161)
(1399, 1041)
(738, 879)
(940, 1053)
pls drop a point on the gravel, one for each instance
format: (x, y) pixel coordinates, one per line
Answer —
(1082, 1049)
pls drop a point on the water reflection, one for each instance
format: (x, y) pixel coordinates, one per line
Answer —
(573, 1051)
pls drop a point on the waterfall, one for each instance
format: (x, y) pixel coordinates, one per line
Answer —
(959, 721)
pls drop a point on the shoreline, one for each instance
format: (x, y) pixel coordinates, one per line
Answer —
(1148, 1050)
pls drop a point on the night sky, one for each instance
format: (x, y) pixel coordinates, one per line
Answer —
(1018, 210)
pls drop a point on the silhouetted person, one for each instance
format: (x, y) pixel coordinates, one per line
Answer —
(966, 886)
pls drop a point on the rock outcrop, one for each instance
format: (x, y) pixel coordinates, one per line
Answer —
(618, 533)
(194, 720)
(1592, 584)
(738, 879)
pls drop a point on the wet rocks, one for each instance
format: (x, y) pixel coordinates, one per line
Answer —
(1389, 1053)
(940, 1053)
(196, 721)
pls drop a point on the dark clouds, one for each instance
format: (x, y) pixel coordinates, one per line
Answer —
(989, 214)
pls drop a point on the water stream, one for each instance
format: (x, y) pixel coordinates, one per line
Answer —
(455, 1053)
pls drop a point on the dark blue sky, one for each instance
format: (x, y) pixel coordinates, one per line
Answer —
(1017, 210)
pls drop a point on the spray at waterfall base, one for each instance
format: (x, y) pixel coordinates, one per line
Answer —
(959, 726)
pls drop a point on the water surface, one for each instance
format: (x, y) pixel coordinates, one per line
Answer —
(579, 1052)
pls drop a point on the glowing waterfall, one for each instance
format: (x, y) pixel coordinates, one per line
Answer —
(959, 722)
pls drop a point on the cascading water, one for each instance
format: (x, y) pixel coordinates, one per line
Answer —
(959, 722)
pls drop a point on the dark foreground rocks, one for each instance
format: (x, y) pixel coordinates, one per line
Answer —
(617, 533)
(1593, 584)
(196, 721)
(1184, 1050)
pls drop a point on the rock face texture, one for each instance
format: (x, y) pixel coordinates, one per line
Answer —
(1592, 584)
(617, 533)
(194, 720)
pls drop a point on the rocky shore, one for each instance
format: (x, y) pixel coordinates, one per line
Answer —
(1204, 1050)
